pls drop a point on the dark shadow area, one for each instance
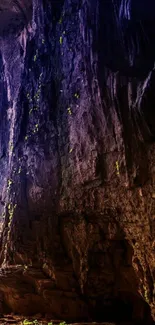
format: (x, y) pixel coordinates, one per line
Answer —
(126, 43)
(14, 16)
(125, 308)
(111, 291)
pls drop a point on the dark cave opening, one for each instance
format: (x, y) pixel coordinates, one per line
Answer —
(124, 308)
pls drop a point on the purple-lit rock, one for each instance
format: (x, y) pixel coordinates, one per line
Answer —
(77, 159)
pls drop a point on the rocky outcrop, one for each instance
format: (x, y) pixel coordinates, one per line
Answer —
(77, 159)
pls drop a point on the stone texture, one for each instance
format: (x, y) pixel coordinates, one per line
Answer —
(14, 15)
(77, 160)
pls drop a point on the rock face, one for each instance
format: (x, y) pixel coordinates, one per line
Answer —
(77, 159)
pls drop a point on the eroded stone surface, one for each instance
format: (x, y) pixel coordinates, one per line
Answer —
(14, 14)
(77, 162)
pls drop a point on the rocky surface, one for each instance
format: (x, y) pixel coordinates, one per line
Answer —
(14, 16)
(12, 319)
(77, 159)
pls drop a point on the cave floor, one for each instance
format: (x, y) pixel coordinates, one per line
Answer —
(38, 320)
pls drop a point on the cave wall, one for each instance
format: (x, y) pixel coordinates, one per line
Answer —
(77, 161)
